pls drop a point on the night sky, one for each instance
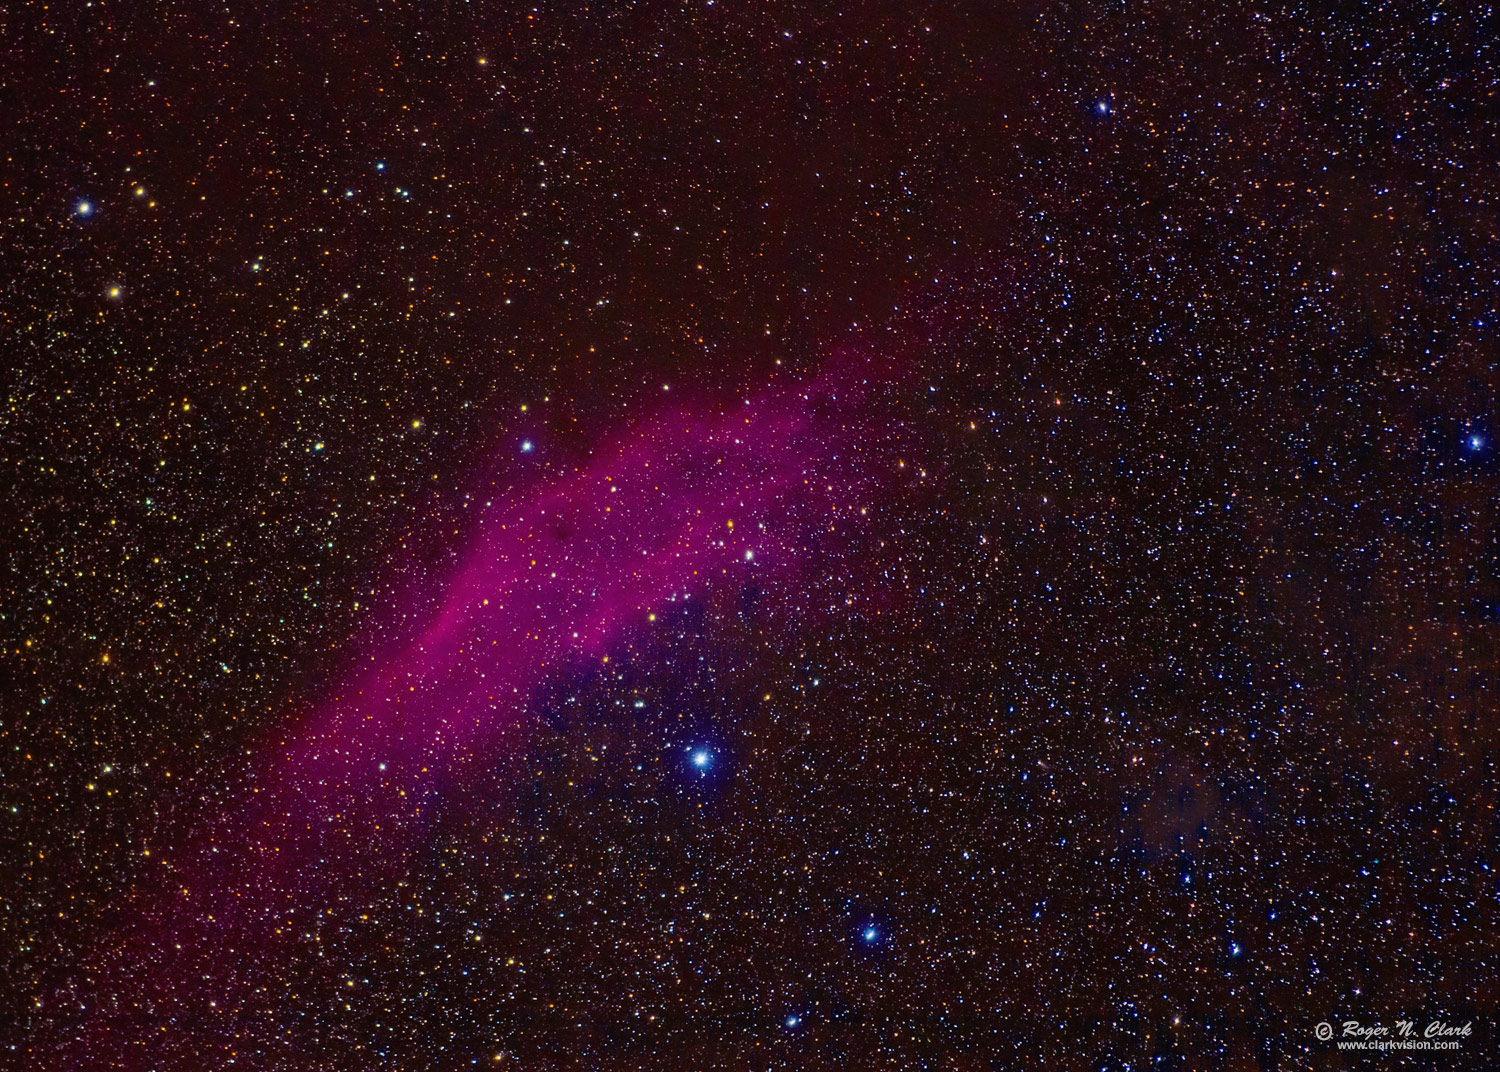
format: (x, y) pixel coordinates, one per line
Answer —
(630, 536)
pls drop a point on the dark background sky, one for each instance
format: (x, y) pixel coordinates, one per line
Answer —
(1180, 735)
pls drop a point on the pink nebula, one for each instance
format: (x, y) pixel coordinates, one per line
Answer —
(683, 499)
(688, 498)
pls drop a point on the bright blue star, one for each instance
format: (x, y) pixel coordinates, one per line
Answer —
(1475, 442)
(525, 446)
(870, 933)
(84, 208)
(793, 1021)
(702, 758)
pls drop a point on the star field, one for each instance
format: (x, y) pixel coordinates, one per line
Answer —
(652, 536)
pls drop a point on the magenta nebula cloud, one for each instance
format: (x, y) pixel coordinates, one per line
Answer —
(683, 501)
